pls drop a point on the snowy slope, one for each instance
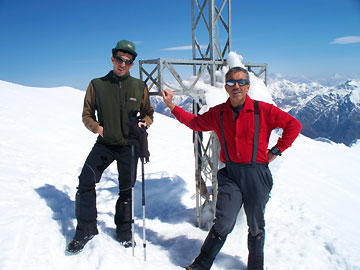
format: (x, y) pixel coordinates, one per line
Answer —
(312, 217)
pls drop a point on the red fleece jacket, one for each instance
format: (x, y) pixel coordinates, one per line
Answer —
(239, 135)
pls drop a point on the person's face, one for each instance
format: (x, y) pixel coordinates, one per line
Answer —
(120, 69)
(236, 92)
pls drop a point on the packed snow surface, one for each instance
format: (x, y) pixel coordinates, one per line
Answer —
(312, 217)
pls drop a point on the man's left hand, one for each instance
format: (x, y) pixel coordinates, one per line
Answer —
(142, 124)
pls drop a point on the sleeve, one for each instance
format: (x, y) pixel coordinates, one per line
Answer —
(88, 114)
(291, 127)
(146, 108)
(203, 122)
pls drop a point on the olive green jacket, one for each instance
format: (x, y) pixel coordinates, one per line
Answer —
(112, 98)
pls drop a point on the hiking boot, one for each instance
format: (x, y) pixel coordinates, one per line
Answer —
(126, 244)
(77, 245)
(124, 241)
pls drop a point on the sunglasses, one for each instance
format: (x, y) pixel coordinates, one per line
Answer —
(240, 82)
(121, 60)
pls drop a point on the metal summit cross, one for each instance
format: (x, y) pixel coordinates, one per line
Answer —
(203, 63)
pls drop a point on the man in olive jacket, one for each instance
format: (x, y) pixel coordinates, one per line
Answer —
(112, 98)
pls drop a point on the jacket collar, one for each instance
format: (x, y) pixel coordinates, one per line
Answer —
(115, 78)
(248, 105)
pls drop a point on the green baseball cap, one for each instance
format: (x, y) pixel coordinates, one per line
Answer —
(125, 45)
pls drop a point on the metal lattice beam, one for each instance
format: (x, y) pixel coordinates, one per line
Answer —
(206, 150)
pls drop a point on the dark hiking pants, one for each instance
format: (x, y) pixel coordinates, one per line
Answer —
(100, 157)
(239, 184)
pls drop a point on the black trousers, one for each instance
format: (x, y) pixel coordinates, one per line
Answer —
(247, 185)
(100, 157)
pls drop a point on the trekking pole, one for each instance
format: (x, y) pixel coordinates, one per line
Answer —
(132, 196)
(143, 205)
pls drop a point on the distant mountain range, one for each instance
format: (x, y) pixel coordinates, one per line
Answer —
(184, 101)
(326, 112)
(331, 112)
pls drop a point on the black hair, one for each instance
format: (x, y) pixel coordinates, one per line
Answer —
(114, 52)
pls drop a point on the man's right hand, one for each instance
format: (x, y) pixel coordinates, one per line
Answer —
(167, 95)
(270, 155)
(100, 131)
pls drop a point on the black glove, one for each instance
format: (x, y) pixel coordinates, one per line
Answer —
(137, 135)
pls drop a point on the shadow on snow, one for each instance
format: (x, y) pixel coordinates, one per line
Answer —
(62, 206)
(182, 250)
(163, 202)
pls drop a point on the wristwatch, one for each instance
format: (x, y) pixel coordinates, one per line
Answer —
(275, 151)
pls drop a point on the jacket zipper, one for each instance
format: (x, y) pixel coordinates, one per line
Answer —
(121, 112)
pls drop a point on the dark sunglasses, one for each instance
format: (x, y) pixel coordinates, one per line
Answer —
(240, 82)
(121, 60)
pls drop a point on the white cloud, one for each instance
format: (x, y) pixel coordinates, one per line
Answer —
(346, 40)
(182, 48)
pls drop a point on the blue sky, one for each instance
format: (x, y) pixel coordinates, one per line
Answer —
(48, 43)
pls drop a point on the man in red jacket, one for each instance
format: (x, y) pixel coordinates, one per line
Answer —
(243, 126)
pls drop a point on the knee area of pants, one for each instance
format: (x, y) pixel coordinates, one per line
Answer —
(222, 234)
(256, 237)
(90, 175)
(87, 172)
(215, 235)
(256, 229)
(223, 228)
